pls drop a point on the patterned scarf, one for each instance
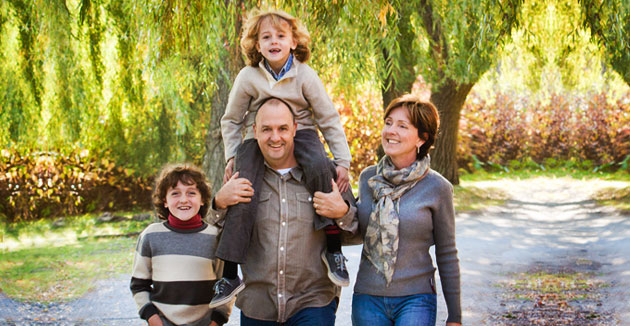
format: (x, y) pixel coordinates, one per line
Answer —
(388, 185)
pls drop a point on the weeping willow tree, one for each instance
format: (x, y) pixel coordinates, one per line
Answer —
(451, 44)
(609, 24)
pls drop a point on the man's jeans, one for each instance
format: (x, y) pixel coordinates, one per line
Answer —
(411, 310)
(321, 316)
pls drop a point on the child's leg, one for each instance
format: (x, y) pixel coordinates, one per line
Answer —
(238, 226)
(240, 218)
(318, 173)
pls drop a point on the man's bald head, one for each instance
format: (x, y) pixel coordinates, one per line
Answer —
(275, 103)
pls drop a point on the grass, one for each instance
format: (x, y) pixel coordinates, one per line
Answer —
(616, 197)
(558, 172)
(55, 274)
(468, 197)
(44, 263)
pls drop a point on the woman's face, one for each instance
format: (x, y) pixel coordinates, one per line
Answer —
(400, 138)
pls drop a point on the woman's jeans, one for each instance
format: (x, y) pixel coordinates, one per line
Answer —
(411, 310)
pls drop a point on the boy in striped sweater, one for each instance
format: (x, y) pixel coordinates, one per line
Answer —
(174, 268)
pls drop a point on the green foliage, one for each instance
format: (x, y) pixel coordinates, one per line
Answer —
(609, 24)
(46, 184)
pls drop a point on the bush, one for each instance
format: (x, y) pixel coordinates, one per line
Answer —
(48, 184)
(582, 132)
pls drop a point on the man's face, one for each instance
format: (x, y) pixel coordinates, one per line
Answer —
(274, 130)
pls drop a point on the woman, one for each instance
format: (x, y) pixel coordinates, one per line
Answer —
(404, 208)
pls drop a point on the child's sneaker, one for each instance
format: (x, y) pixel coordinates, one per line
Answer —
(336, 264)
(225, 290)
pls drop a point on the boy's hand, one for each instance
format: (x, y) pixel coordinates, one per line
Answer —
(343, 181)
(330, 204)
(229, 167)
(236, 190)
(155, 320)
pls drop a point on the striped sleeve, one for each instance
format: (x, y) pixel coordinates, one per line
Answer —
(141, 282)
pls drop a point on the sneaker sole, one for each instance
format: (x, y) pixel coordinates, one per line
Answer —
(228, 298)
(331, 276)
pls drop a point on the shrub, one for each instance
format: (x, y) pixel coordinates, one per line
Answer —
(48, 184)
(582, 132)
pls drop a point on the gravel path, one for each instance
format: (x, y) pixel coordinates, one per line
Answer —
(550, 223)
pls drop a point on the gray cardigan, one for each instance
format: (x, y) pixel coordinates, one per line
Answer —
(427, 218)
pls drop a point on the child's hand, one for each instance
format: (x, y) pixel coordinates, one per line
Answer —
(155, 320)
(343, 181)
(236, 190)
(228, 170)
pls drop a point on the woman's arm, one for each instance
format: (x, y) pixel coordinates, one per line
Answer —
(445, 248)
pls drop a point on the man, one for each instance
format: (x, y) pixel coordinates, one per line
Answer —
(285, 278)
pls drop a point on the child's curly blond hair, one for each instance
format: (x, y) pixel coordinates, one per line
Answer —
(249, 39)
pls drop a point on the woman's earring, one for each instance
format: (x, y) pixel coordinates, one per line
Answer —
(418, 149)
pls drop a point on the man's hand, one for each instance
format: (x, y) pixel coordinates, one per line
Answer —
(229, 168)
(343, 181)
(330, 204)
(235, 190)
(155, 320)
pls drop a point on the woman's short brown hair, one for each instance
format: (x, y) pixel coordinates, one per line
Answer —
(188, 174)
(249, 39)
(423, 115)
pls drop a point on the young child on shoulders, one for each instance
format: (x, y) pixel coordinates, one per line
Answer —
(174, 268)
(276, 45)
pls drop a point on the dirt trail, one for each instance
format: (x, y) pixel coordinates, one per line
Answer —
(547, 223)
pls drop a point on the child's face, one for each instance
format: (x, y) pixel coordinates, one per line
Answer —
(275, 43)
(183, 201)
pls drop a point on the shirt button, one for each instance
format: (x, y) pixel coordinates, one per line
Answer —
(279, 295)
(284, 223)
(281, 272)
(340, 223)
(281, 248)
(283, 200)
(217, 215)
(310, 198)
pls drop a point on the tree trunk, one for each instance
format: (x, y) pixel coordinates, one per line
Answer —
(214, 158)
(449, 100)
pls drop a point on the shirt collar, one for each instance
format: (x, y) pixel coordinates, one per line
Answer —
(283, 71)
(295, 173)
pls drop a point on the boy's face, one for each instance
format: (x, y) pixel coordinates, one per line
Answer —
(183, 201)
(275, 43)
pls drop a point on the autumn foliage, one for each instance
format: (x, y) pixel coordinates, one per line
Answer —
(47, 184)
(512, 133)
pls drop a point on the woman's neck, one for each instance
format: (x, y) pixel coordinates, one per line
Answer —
(402, 162)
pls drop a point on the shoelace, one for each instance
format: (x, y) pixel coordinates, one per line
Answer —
(339, 261)
(220, 287)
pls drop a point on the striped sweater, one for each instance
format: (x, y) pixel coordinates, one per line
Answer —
(173, 274)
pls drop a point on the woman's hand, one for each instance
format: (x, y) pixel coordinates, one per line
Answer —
(330, 204)
(343, 181)
(155, 320)
(236, 190)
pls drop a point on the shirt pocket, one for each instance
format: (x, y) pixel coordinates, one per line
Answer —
(306, 212)
(265, 210)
